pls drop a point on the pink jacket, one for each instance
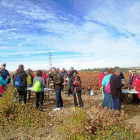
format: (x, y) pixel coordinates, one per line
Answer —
(133, 79)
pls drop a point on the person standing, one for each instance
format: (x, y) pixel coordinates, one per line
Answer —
(57, 83)
(107, 101)
(121, 76)
(63, 73)
(116, 91)
(20, 78)
(32, 74)
(45, 76)
(134, 77)
(71, 72)
(2, 84)
(68, 84)
(75, 83)
(29, 82)
(5, 73)
(101, 76)
(39, 94)
(138, 89)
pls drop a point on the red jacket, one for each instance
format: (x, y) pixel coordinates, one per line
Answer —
(101, 76)
(44, 75)
(138, 88)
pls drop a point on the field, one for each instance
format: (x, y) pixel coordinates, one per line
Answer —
(19, 121)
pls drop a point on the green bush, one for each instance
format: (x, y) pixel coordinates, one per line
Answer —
(18, 115)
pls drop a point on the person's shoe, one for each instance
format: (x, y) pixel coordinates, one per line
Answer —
(55, 109)
(61, 107)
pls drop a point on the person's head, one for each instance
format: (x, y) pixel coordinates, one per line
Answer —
(116, 70)
(31, 71)
(53, 70)
(71, 69)
(21, 67)
(110, 71)
(105, 71)
(43, 71)
(134, 71)
(27, 72)
(39, 73)
(63, 70)
(3, 66)
(75, 73)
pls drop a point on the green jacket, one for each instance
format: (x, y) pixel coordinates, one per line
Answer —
(57, 81)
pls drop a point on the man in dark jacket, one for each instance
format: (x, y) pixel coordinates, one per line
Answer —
(71, 72)
(22, 90)
(116, 91)
(63, 73)
(57, 83)
(68, 87)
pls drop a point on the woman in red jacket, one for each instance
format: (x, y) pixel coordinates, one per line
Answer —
(138, 89)
(101, 77)
(44, 75)
(75, 83)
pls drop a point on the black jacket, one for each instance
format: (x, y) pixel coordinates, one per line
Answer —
(72, 79)
(116, 85)
(71, 73)
(22, 76)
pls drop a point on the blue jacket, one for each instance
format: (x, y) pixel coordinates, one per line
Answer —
(106, 79)
(63, 74)
(2, 82)
(4, 74)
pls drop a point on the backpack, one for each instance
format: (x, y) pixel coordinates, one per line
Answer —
(17, 82)
(108, 89)
(37, 86)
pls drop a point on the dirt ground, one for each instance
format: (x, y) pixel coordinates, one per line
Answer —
(89, 102)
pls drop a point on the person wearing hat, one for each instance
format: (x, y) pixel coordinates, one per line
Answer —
(4, 72)
(101, 76)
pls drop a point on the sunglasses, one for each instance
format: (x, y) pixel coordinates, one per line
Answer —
(134, 71)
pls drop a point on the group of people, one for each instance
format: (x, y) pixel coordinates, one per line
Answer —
(73, 82)
(111, 83)
(22, 80)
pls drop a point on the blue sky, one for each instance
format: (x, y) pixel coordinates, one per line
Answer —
(78, 33)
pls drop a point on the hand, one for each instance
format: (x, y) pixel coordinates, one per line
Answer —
(123, 82)
(8, 77)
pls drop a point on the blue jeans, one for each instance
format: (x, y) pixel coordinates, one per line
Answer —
(117, 103)
(59, 101)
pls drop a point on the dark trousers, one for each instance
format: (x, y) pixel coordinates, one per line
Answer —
(135, 98)
(117, 103)
(59, 101)
(79, 99)
(22, 94)
(29, 92)
(39, 99)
